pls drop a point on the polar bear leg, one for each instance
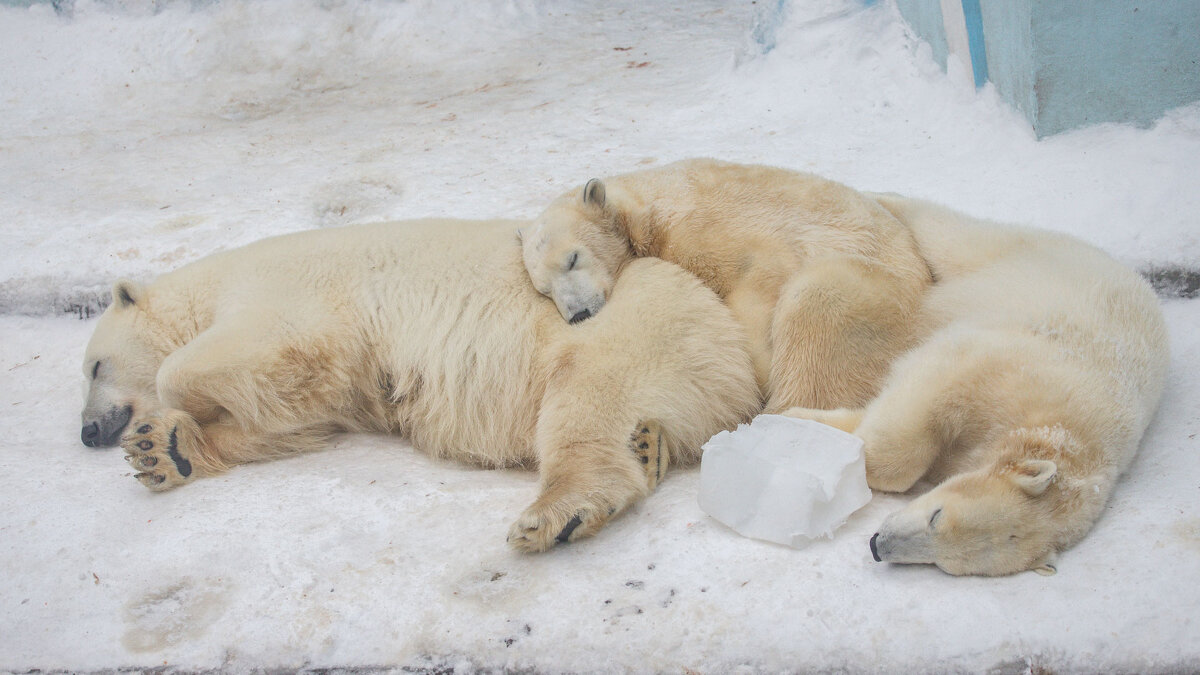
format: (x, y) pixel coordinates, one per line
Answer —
(898, 451)
(169, 448)
(753, 305)
(939, 396)
(584, 485)
(232, 395)
(846, 419)
(837, 327)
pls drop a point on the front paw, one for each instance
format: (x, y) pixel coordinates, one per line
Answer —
(553, 520)
(156, 447)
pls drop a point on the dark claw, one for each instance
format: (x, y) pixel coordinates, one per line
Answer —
(566, 531)
(874, 551)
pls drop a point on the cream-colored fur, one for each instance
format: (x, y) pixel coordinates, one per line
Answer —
(824, 280)
(1041, 365)
(428, 329)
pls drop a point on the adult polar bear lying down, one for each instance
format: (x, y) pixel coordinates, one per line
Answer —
(1041, 365)
(429, 329)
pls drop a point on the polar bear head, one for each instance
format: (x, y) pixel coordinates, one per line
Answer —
(120, 364)
(991, 522)
(574, 250)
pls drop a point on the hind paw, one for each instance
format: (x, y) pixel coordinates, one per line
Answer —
(647, 445)
(156, 447)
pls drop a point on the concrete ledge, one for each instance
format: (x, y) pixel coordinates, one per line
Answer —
(1173, 281)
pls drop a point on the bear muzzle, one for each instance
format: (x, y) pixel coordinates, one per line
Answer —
(105, 431)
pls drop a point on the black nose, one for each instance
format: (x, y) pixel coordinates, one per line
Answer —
(90, 434)
(875, 551)
(581, 315)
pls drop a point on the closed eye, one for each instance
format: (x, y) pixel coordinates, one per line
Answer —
(934, 517)
(95, 370)
(572, 260)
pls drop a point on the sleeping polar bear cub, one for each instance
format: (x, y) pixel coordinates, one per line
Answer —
(428, 329)
(821, 277)
(1041, 365)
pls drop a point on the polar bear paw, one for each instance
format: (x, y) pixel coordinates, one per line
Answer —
(157, 447)
(573, 508)
(647, 445)
(552, 521)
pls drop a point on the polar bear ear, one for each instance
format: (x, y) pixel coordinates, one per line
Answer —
(593, 193)
(1033, 476)
(127, 293)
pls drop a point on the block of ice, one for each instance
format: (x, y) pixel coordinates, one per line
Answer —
(783, 479)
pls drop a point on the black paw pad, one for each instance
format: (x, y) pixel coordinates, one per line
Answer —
(184, 466)
(144, 429)
(570, 527)
(145, 445)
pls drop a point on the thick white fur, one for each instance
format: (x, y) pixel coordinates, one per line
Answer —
(1041, 365)
(823, 279)
(429, 329)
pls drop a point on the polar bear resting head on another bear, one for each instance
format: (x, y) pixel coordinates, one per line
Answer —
(821, 277)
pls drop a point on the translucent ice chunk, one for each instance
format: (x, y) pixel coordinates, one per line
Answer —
(783, 479)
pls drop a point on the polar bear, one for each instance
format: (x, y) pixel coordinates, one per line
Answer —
(428, 329)
(822, 278)
(1041, 364)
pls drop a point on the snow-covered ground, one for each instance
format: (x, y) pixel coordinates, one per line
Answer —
(136, 136)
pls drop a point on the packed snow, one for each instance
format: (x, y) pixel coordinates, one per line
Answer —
(138, 135)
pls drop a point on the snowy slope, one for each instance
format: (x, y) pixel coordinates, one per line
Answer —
(133, 140)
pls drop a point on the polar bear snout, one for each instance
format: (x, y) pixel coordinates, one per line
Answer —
(90, 434)
(892, 548)
(578, 296)
(105, 431)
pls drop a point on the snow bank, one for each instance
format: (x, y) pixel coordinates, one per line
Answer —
(136, 140)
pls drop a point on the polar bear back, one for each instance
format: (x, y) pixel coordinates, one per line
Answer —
(1074, 304)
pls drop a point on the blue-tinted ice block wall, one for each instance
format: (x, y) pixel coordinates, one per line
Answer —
(1070, 63)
